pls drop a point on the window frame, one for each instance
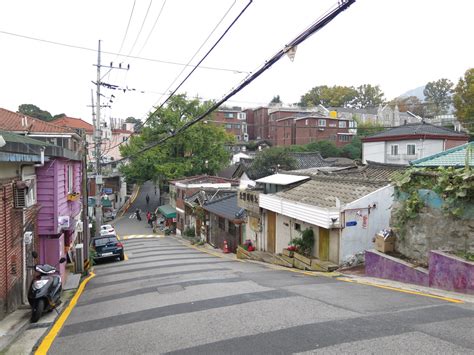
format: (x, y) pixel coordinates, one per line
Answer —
(414, 149)
(392, 146)
(321, 122)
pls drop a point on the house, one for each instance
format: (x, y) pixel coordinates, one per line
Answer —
(400, 145)
(225, 221)
(59, 184)
(181, 189)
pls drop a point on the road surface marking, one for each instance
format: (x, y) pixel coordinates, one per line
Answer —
(141, 236)
(53, 332)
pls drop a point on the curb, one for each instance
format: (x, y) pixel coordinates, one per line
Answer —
(10, 337)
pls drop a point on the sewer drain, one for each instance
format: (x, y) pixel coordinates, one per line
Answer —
(170, 289)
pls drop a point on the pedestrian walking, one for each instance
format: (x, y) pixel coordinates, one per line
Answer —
(147, 199)
(137, 212)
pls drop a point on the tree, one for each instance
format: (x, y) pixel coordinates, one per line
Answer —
(368, 128)
(34, 111)
(336, 96)
(275, 101)
(274, 158)
(137, 123)
(353, 150)
(326, 148)
(464, 100)
(410, 103)
(438, 94)
(368, 96)
(200, 149)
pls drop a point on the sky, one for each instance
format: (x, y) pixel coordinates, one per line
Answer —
(396, 44)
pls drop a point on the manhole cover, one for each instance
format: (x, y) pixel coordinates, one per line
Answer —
(170, 289)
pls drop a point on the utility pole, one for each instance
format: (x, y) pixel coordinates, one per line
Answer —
(98, 157)
(98, 139)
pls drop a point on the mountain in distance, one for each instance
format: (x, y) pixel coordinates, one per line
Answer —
(418, 92)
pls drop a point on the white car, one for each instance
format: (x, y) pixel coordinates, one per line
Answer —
(107, 229)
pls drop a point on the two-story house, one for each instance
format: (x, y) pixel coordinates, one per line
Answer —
(59, 184)
(402, 144)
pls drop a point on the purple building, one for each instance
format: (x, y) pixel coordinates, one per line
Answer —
(57, 183)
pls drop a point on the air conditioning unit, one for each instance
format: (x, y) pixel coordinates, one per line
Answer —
(79, 258)
(21, 197)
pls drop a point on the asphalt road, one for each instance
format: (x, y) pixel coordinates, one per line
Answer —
(170, 298)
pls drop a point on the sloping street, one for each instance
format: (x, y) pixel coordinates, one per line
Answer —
(170, 297)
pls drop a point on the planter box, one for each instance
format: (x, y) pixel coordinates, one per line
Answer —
(280, 260)
(300, 265)
(320, 265)
(289, 253)
(288, 259)
(303, 259)
(242, 253)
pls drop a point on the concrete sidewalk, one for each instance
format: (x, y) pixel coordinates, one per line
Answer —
(19, 336)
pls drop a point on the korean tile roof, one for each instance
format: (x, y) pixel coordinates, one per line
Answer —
(226, 207)
(455, 157)
(416, 129)
(17, 122)
(75, 123)
(324, 192)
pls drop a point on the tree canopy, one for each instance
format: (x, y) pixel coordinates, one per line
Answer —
(276, 100)
(35, 112)
(464, 100)
(368, 96)
(438, 95)
(197, 150)
(137, 123)
(272, 159)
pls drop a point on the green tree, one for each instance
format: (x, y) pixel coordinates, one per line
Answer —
(274, 158)
(368, 96)
(353, 150)
(464, 100)
(137, 123)
(200, 149)
(438, 94)
(276, 100)
(326, 148)
(368, 128)
(336, 96)
(34, 111)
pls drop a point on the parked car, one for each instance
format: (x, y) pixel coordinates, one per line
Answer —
(107, 229)
(107, 246)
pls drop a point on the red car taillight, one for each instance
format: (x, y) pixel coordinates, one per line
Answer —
(119, 245)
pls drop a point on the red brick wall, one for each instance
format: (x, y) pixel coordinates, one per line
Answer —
(451, 143)
(235, 128)
(250, 123)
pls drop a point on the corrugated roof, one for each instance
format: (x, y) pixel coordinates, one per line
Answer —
(417, 129)
(17, 122)
(323, 192)
(455, 157)
(18, 138)
(226, 207)
(282, 179)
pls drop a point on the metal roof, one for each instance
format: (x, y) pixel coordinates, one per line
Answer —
(226, 207)
(416, 129)
(282, 179)
(455, 157)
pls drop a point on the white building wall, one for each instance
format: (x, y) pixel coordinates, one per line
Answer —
(357, 238)
(285, 232)
(245, 182)
(373, 151)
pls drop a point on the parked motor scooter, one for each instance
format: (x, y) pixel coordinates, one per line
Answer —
(45, 290)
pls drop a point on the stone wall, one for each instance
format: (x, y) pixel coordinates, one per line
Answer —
(434, 230)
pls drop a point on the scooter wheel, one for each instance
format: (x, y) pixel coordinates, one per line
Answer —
(37, 311)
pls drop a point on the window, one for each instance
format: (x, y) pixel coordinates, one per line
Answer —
(229, 115)
(332, 124)
(70, 179)
(306, 122)
(237, 126)
(232, 228)
(342, 124)
(221, 222)
(411, 149)
(322, 123)
(333, 137)
(228, 126)
(344, 138)
(394, 149)
(297, 226)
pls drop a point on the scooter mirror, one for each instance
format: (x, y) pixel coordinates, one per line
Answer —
(34, 254)
(62, 260)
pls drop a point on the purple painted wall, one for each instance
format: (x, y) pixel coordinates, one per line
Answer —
(386, 267)
(451, 273)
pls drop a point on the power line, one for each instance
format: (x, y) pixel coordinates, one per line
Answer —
(128, 26)
(200, 61)
(153, 28)
(322, 22)
(118, 54)
(141, 28)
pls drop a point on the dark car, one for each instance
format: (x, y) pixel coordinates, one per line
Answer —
(107, 246)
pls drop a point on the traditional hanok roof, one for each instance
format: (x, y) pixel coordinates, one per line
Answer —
(414, 131)
(455, 157)
(372, 171)
(227, 208)
(75, 123)
(328, 192)
(228, 172)
(20, 123)
(203, 179)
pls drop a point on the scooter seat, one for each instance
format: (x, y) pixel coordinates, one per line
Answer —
(45, 269)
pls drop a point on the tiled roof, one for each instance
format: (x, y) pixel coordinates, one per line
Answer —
(228, 172)
(372, 171)
(17, 122)
(452, 157)
(323, 191)
(226, 207)
(204, 179)
(72, 122)
(123, 131)
(416, 129)
(18, 138)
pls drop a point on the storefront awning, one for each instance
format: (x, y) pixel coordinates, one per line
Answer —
(106, 202)
(168, 211)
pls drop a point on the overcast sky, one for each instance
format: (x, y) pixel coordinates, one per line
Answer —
(397, 44)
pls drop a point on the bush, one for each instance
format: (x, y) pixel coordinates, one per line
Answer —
(304, 244)
(189, 232)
